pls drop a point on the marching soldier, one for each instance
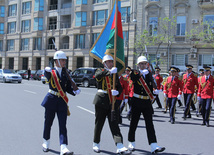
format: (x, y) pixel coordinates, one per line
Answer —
(179, 77)
(143, 94)
(198, 107)
(55, 102)
(189, 82)
(130, 88)
(123, 96)
(103, 104)
(205, 94)
(173, 91)
(166, 104)
(158, 78)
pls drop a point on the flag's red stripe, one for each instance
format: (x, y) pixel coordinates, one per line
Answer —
(119, 25)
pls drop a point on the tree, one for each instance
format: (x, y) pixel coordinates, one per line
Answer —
(159, 35)
(202, 35)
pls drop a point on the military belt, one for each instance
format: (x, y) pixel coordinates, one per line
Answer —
(54, 92)
(141, 96)
(102, 91)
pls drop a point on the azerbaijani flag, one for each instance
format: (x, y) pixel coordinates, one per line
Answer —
(105, 41)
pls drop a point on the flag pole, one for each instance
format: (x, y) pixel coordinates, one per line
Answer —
(115, 49)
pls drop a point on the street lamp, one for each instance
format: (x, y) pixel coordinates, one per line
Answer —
(128, 21)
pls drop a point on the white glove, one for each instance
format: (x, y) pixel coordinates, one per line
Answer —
(126, 101)
(156, 92)
(114, 92)
(164, 94)
(179, 97)
(199, 98)
(77, 91)
(145, 71)
(47, 69)
(113, 70)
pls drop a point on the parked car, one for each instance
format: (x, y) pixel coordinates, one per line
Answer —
(85, 76)
(43, 78)
(164, 75)
(22, 73)
(7, 75)
(32, 74)
(38, 74)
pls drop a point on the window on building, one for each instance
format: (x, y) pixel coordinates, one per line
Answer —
(53, 5)
(79, 62)
(10, 45)
(153, 26)
(79, 41)
(11, 27)
(12, 10)
(37, 43)
(79, 2)
(153, 0)
(25, 63)
(181, 25)
(81, 18)
(179, 59)
(100, 17)
(11, 63)
(38, 24)
(51, 42)
(1, 45)
(66, 4)
(94, 38)
(26, 8)
(125, 13)
(1, 28)
(26, 25)
(208, 21)
(2, 11)
(25, 44)
(39, 5)
(125, 38)
(38, 63)
(99, 1)
(52, 23)
(206, 59)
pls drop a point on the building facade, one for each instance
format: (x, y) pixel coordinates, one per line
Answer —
(31, 30)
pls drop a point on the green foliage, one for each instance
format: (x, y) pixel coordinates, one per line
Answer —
(163, 35)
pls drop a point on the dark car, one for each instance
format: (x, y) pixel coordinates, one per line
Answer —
(21, 72)
(85, 76)
(38, 75)
(31, 76)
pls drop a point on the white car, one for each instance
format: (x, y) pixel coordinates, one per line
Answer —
(6, 75)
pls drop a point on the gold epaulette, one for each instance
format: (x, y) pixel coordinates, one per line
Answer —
(195, 75)
(179, 78)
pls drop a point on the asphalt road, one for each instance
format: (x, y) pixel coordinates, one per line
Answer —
(22, 118)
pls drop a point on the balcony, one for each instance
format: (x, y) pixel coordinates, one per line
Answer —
(180, 38)
(206, 4)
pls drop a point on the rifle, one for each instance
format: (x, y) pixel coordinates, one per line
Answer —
(151, 69)
(71, 80)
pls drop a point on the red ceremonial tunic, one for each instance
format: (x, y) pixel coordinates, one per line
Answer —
(124, 85)
(173, 88)
(130, 85)
(205, 89)
(189, 83)
(158, 78)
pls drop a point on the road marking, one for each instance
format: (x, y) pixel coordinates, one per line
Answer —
(86, 110)
(30, 92)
